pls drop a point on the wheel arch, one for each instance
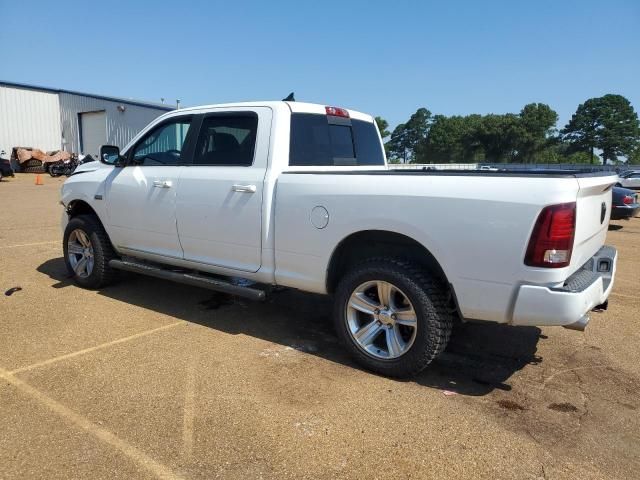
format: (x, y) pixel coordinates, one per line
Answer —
(80, 207)
(370, 243)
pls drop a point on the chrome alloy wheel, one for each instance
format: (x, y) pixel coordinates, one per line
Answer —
(381, 320)
(80, 253)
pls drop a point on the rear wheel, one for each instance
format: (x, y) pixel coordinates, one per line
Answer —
(392, 317)
(87, 252)
(33, 170)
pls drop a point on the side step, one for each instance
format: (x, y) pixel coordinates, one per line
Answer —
(194, 279)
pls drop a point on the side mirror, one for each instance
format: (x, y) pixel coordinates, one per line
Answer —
(110, 155)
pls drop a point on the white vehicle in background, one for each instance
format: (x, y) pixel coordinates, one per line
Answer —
(487, 168)
(629, 179)
(300, 195)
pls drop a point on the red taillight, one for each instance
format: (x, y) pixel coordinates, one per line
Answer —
(551, 241)
(627, 200)
(337, 112)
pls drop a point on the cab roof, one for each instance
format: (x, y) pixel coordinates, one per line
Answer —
(294, 107)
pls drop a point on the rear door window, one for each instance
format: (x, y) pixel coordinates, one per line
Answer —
(320, 140)
(227, 139)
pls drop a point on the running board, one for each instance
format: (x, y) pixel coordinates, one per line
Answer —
(194, 279)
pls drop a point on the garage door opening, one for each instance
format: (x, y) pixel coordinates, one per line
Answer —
(93, 132)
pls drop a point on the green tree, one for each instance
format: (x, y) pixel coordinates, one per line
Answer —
(538, 122)
(634, 158)
(417, 129)
(608, 123)
(579, 157)
(451, 139)
(383, 125)
(500, 136)
(397, 146)
(407, 137)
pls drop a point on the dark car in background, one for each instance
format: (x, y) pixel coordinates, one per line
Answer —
(625, 204)
(5, 167)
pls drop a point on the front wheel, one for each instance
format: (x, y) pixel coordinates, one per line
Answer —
(392, 317)
(87, 252)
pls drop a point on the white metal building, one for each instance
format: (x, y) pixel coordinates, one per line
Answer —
(56, 119)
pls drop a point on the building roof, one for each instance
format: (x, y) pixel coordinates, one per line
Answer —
(159, 106)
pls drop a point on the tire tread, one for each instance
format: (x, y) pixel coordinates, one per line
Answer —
(435, 300)
(104, 252)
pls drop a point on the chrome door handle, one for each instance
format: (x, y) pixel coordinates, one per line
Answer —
(162, 183)
(244, 188)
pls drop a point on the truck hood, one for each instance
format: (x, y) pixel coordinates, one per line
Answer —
(90, 167)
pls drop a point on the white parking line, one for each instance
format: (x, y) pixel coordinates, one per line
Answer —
(29, 244)
(138, 456)
(93, 349)
(189, 409)
(623, 295)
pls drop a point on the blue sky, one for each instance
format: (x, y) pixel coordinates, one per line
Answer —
(384, 58)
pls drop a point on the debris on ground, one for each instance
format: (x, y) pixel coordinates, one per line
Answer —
(12, 290)
(563, 407)
(510, 405)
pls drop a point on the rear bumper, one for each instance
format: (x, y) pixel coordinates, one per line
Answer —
(619, 212)
(569, 304)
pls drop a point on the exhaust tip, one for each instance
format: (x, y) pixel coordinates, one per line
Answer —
(580, 325)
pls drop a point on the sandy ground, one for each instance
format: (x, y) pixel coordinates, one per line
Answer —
(151, 379)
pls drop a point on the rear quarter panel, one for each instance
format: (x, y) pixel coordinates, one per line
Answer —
(476, 227)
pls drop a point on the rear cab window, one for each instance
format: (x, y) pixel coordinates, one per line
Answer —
(327, 140)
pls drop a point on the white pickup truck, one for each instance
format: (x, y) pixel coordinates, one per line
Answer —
(300, 195)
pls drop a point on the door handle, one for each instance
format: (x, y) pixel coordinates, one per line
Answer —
(162, 183)
(244, 188)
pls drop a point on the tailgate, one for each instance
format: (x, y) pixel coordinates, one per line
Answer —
(593, 209)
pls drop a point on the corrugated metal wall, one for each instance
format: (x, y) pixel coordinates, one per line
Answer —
(29, 118)
(121, 126)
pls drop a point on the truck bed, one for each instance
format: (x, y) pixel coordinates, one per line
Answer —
(552, 173)
(476, 224)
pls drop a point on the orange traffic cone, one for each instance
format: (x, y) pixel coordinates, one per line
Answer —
(39, 180)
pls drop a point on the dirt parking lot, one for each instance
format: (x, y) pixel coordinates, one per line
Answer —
(151, 379)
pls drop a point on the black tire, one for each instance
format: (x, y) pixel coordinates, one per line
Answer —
(31, 163)
(618, 185)
(103, 252)
(429, 298)
(33, 170)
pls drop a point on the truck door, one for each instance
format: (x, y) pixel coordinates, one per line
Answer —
(219, 198)
(141, 197)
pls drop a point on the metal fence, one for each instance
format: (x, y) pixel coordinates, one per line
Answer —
(512, 166)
